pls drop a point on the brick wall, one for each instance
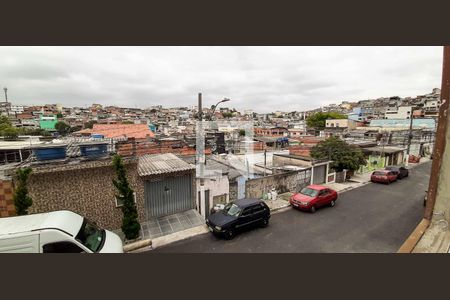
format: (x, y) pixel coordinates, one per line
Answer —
(86, 189)
(7, 207)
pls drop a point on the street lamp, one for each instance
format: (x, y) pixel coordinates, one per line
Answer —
(215, 106)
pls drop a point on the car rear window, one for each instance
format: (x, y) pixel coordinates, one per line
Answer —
(379, 173)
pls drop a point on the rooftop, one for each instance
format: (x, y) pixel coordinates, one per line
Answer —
(162, 163)
(138, 131)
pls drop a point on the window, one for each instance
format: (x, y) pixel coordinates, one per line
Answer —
(91, 236)
(323, 192)
(62, 247)
(258, 208)
(119, 202)
(247, 212)
(232, 209)
(309, 192)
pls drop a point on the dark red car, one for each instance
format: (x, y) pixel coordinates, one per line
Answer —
(314, 196)
(384, 176)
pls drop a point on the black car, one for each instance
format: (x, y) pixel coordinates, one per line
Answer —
(401, 172)
(238, 215)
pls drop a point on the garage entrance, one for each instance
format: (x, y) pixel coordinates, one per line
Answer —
(319, 174)
(168, 196)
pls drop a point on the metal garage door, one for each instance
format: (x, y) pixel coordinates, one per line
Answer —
(168, 196)
(319, 174)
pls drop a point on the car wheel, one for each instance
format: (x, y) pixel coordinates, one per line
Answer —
(265, 222)
(312, 209)
(229, 235)
(332, 203)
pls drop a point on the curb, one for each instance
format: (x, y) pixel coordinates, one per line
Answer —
(414, 238)
(280, 208)
(137, 245)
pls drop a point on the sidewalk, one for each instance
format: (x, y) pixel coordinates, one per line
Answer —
(360, 179)
(281, 202)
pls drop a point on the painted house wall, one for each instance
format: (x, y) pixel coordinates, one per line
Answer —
(217, 187)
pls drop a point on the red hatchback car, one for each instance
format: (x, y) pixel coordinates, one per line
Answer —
(312, 197)
(384, 176)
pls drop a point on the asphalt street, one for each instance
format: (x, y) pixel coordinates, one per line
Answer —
(373, 218)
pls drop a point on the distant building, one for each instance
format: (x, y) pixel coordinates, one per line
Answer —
(403, 123)
(402, 112)
(48, 122)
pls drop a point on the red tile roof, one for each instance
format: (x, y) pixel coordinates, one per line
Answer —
(137, 131)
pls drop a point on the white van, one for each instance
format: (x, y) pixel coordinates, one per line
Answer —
(55, 232)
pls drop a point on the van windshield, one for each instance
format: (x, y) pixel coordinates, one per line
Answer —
(91, 236)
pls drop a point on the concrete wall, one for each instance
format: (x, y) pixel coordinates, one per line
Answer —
(86, 189)
(285, 182)
(233, 196)
(279, 161)
(217, 187)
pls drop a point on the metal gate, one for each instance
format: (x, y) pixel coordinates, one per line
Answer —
(168, 196)
(319, 174)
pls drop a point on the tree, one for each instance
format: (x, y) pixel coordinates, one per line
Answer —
(227, 115)
(343, 155)
(317, 120)
(4, 123)
(22, 201)
(10, 134)
(241, 132)
(90, 124)
(62, 128)
(125, 195)
(59, 115)
(127, 122)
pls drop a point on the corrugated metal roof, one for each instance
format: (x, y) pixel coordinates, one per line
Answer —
(152, 164)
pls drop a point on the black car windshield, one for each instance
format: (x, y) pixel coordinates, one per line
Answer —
(309, 192)
(91, 236)
(232, 209)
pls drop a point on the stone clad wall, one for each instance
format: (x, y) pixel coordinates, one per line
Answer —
(87, 191)
(7, 208)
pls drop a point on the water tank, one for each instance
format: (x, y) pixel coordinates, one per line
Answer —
(97, 136)
(49, 152)
(93, 149)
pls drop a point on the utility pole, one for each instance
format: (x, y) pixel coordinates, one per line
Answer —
(438, 168)
(265, 161)
(409, 136)
(200, 149)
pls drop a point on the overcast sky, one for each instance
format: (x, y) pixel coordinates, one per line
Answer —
(260, 78)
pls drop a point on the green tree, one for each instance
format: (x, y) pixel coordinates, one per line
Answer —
(62, 128)
(90, 124)
(125, 195)
(317, 120)
(59, 115)
(241, 132)
(4, 122)
(343, 155)
(10, 134)
(22, 201)
(227, 115)
(127, 122)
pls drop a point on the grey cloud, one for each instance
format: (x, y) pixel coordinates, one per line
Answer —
(258, 78)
